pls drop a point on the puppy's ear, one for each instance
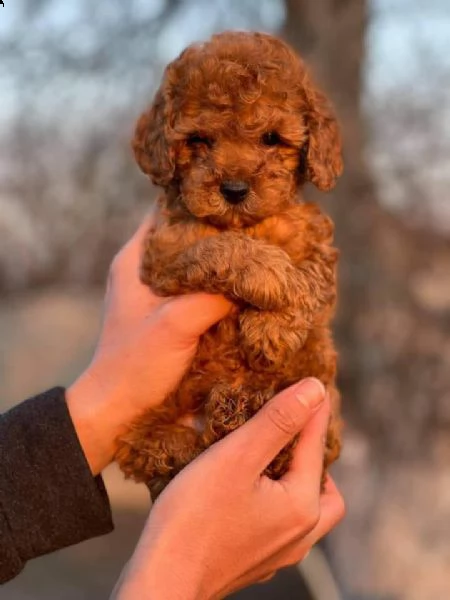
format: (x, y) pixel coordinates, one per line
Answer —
(324, 149)
(151, 143)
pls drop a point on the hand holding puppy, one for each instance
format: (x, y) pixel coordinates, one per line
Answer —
(220, 526)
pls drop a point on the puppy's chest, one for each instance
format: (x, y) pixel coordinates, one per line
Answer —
(284, 235)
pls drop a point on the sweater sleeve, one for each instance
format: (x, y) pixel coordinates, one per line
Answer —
(48, 496)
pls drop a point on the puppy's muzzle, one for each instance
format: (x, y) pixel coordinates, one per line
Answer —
(234, 191)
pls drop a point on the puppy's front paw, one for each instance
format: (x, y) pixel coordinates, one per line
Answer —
(161, 285)
(154, 274)
(166, 280)
(269, 339)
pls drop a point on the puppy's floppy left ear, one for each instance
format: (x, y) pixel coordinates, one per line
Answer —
(324, 161)
(152, 141)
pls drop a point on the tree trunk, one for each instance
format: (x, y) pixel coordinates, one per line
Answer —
(390, 275)
(330, 36)
(393, 312)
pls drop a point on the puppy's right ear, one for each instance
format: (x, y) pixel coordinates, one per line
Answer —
(324, 149)
(152, 142)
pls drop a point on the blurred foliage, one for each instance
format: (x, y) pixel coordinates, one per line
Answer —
(74, 76)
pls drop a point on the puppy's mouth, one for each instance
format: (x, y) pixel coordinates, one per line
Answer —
(231, 216)
(213, 208)
(234, 218)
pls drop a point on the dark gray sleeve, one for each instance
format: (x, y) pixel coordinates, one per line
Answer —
(48, 496)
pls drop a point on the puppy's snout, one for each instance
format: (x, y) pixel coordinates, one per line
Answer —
(234, 191)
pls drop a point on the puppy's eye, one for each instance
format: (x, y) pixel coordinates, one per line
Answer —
(271, 138)
(195, 139)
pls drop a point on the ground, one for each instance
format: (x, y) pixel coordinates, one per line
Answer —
(393, 545)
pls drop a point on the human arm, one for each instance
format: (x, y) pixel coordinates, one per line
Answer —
(144, 348)
(233, 526)
(48, 497)
(52, 445)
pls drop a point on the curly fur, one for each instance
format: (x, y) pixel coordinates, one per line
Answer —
(240, 107)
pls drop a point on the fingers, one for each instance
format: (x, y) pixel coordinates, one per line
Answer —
(332, 511)
(133, 247)
(255, 576)
(124, 270)
(305, 472)
(187, 317)
(190, 316)
(276, 424)
(130, 254)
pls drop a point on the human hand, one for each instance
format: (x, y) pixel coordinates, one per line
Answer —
(220, 525)
(145, 346)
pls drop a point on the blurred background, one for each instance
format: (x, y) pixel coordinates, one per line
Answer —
(74, 75)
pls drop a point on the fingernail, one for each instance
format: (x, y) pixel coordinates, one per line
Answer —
(310, 392)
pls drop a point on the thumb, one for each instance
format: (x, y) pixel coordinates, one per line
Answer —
(125, 265)
(274, 426)
(132, 250)
(193, 314)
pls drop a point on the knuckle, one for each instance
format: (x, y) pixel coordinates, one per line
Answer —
(268, 577)
(115, 266)
(296, 556)
(175, 328)
(310, 520)
(167, 320)
(306, 518)
(284, 418)
(112, 273)
(340, 509)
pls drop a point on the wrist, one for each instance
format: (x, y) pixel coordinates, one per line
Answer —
(156, 579)
(162, 583)
(99, 416)
(163, 567)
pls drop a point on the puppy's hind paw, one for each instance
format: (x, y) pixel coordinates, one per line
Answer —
(268, 340)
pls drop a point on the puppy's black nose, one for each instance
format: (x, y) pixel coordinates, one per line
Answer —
(234, 191)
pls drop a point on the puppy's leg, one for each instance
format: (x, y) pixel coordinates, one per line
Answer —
(157, 446)
(270, 338)
(333, 442)
(155, 456)
(229, 263)
(174, 447)
(280, 465)
(165, 247)
(228, 408)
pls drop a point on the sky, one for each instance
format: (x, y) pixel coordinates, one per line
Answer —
(401, 33)
(399, 29)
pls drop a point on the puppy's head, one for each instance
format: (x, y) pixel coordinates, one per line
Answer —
(236, 126)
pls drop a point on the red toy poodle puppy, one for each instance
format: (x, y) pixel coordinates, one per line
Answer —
(235, 130)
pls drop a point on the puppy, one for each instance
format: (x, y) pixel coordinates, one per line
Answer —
(235, 130)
